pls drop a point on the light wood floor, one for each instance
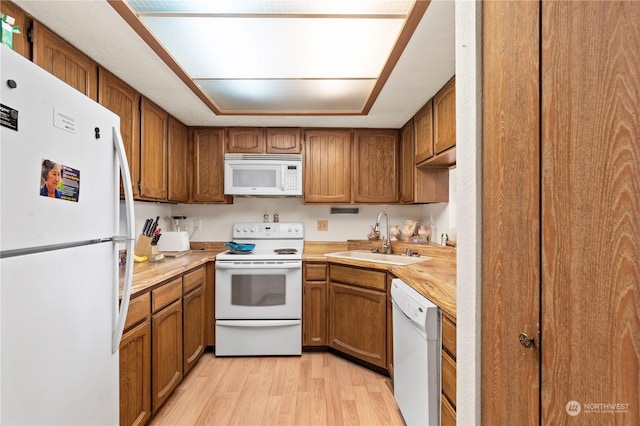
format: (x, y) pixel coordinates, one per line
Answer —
(318, 388)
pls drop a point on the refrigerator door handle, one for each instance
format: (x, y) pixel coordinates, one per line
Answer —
(128, 274)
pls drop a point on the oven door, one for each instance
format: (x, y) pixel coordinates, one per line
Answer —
(258, 290)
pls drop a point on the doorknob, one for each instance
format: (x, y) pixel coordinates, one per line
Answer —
(525, 340)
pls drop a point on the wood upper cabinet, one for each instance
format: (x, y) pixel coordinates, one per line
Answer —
(263, 140)
(193, 317)
(358, 313)
(135, 364)
(407, 165)
(65, 61)
(327, 166)
(166, 343)
(153, 151)
(124, 101)
(423, 121)
(208, 170)
(245, 140)
(444, 118)
(283, 141)
(178, 172)
(375, 166)
(314, 305)
(21, 43)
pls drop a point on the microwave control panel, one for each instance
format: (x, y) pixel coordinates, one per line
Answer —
(291, 178)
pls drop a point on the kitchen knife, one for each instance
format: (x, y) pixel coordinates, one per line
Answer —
(154, 226)
(145, 228)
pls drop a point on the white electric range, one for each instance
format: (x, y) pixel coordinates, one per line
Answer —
(258, 296)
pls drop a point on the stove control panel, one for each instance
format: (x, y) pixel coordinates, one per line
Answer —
(261, 230)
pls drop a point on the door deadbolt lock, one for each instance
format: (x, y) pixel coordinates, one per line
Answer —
(525, 340)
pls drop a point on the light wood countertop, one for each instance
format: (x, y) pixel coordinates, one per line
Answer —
(434, 278)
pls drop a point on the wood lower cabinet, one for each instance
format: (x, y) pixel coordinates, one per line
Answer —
(61, 59)
(448, 370)
(123, 100)
(358, 313)
(135, 364)
(327, 166)
(166, 345)
(208, 166)
(314, 305)
(153, 151)
(193, 317)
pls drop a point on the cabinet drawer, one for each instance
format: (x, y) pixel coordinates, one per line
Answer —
(360, 277)
(447, 413)
(193, 279)
(449, 377)
(139, 310)
(315, 272)
(449, 336)
(166, 294)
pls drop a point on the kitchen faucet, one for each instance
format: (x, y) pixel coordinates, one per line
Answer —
(386, 245)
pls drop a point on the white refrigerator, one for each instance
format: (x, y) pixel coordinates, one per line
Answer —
(61, 320)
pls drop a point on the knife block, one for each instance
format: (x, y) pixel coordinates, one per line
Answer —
(142, 245)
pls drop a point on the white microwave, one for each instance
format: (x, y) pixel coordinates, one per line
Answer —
(263, 174)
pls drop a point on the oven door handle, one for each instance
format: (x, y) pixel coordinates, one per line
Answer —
(257, 323)
(257, 265)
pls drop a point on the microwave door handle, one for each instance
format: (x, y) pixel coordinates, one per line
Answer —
(282, 176)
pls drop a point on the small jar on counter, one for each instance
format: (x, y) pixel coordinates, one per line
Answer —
(444, 238)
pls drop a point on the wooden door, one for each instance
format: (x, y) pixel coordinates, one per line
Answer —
(357, 322)
(423, 121)
(178, 168)
(65, 61)
(123, 100)
(153, 151)
(193, 327)
(407, 165)
(245, 140)
(375, 166)
(327, 166)
(283, 141)
(21, 43)
(166, 326)
(591, 212)
(444, 117)
(135, 375)
(510, 213)
(208, 171)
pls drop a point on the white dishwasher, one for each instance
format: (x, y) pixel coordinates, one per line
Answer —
(417, 341)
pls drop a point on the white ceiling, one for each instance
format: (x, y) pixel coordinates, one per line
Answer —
(94, 27)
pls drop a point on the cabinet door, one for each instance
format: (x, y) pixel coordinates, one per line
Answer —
(444, 117)
(327, 166)
(177, 161)
(314, 313)
(357, 322)
(208, 158)
(283, 141)
(135, 375)
(245, 140)
(375, 171)
(153, 151)
(193, 315)
(21, 43)
(123, 100)
(166, 352)
(407, 163)
(423, 122)
(65, 61)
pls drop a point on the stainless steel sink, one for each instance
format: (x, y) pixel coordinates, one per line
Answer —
(367, 256)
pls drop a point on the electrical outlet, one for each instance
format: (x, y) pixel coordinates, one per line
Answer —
(197, 224)
(323, 225)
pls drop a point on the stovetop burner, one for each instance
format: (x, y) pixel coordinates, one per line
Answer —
(286, 251)
(240, 251)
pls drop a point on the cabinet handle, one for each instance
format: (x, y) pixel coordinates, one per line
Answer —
(525, 340)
